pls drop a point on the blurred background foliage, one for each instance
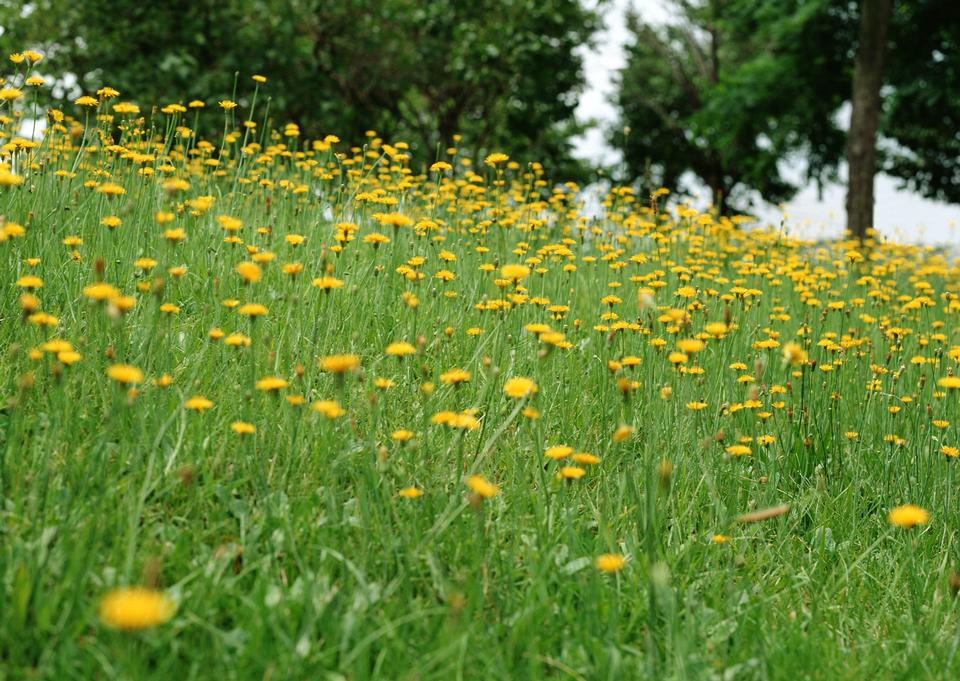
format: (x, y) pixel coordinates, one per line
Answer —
(503, 73)
(733, 95)
(729, 90)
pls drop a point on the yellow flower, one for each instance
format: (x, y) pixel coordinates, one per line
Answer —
(558, 452)
(339, 364)
(400, 349)
(794, 354)
(174, 235)
(252, 310)
(496, 158)
(243, 428)
(715, 329)
(482, 487)
(327, 283)
(250, 271)
(111, 189)
(738, 450)
(100, 292)
(571, 473)
(30, 282)
(125, 373)
(8, 94)
(519, 386)
(29, 302)
(198, 403)
(376, 239)
(68, 357)
(271, 383)
(610, 562)
(8, 179)
(949, 382)
(908, 515)
(455, 376)
(720, 539)
(622, 433)
(402, 435)
(410, 493)
(329, 408)
(515, 273)
(135, 608)
(452, 419)
(690, 345)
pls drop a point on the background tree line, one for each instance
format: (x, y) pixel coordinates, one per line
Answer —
(732, 91)
(729, 92)
(503, 73)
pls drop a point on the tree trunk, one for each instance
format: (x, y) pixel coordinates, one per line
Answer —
(719, 197)
(862, 138)
(718, 193)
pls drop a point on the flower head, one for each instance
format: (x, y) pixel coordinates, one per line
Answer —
(339, 364)
(135, 608)
(519, 386)
(908, 515)
(610, 563)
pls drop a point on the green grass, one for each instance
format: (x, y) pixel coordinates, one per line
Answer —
(290, 554)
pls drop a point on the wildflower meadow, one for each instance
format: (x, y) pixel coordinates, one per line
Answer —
(279, 407)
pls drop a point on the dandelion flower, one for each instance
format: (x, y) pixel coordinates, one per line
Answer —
(135, 608)
(519, 387)
(610, 563)
(908, 515)
(949, 382)
(198, 403)
(271, 383)
(401, 349)
(557, 452)
(339, 364)
(482, 487)
(125, 374)
(455, 376)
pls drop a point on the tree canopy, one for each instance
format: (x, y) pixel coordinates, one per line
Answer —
(730, 90)
(504, 73)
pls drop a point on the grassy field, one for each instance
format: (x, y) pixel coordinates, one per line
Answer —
(278, 408)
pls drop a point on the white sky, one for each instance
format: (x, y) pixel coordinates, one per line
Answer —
(899, 214)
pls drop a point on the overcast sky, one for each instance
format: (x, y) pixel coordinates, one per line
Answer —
(899, 214)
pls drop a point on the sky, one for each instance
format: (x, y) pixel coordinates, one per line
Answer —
(899, 214)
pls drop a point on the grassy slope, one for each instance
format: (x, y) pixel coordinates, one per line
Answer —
(290, 553)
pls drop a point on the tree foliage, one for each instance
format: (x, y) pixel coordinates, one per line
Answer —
(706, 94)
(731, 89)
(921, 113)
(504, 73)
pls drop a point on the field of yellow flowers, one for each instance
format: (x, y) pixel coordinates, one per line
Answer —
(283, 408)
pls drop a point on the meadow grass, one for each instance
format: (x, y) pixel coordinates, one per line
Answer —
(266, 379)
